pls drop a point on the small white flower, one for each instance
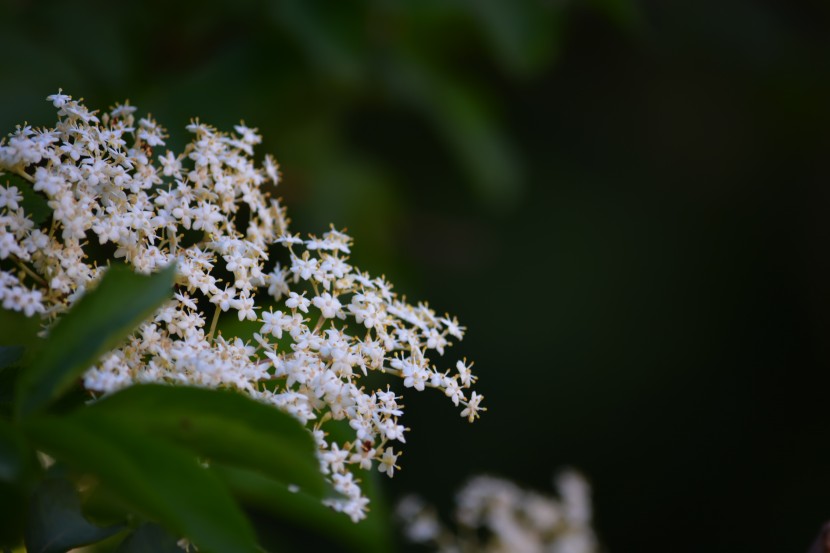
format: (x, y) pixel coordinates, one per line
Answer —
(224, 299)
(296, 301)
(472, 410)
(172, 165)
(464, 373)
(387, 462)
(329, 306)
(58, 100)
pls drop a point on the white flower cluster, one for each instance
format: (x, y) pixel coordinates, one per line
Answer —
(496, 516)
(325, 325)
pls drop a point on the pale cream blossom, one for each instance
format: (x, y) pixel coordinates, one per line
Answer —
(494, 515)
(109, 184)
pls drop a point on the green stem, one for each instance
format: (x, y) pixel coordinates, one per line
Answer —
(213, 323)
(31, 273)
(24, 175)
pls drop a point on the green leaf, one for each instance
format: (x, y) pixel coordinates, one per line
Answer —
(97, 323)
(479, 144)
(301, 510)
(9, 355)
(159, 480)
(149, 538)
(19, 330)
(523, 36)
(220, 425)
(467, 125)
(17, 467)
(12, 510)
(55, 523)
(327, 34)
(10, 358)
(14, 454)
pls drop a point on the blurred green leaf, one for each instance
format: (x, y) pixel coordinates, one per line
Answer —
(231, 326)
(19, 330)
(149, 538)
(467, 126)
(18, 466)
(161, 481)
(330, 34)
(12, 520)
(9, 355)
(222, 426)
(8, 382)
(481, 147)
(103, 506)
(524, 36)
(14, 454)
(302, 510)
(55, 523)
(98, 322)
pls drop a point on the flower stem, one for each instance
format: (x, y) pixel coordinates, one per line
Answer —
(213, 323)
(31, 273)
(24, 175)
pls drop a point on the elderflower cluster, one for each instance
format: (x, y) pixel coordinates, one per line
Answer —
(495, 516)
(325, 325)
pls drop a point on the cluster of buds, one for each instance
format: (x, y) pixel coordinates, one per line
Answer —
(325, 325)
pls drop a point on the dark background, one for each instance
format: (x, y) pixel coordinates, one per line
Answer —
(624, 201)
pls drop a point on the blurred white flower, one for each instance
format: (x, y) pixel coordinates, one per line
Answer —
(494, 515)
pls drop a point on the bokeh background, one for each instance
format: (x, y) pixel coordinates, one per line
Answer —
(625, 201)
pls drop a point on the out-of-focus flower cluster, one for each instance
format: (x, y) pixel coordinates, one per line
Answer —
(494, 515)
(325, 325)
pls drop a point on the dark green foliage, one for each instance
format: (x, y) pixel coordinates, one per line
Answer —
(19, 331)
(149, 538)
(159, 480)
(219, 425)
(13, 454)
(146, 449)
(55, 523)
(17, 470)
(10, 355)
(96, 324)
(304, 511)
